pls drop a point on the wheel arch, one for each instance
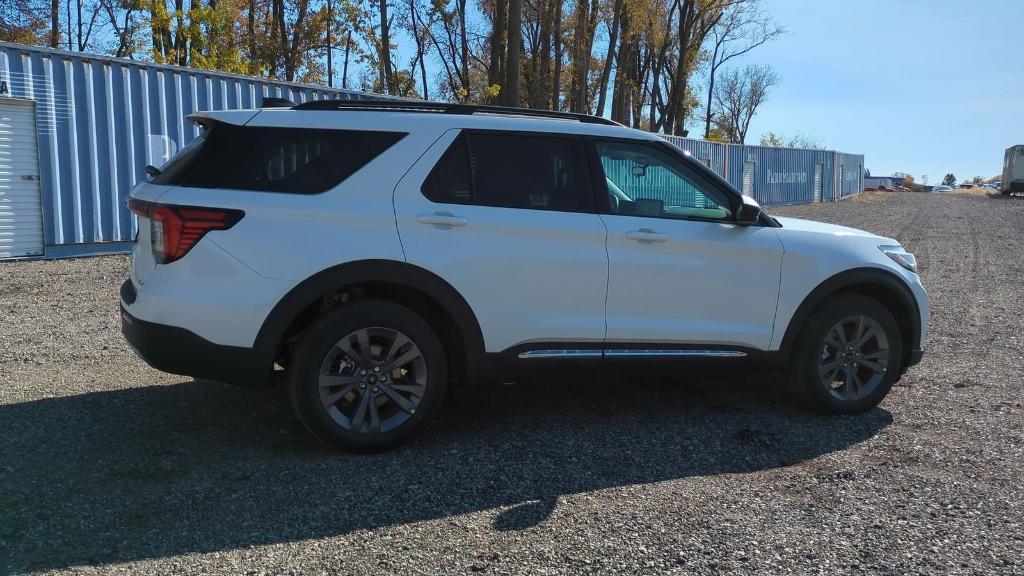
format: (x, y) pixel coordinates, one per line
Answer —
(877, 283)
(416, 288)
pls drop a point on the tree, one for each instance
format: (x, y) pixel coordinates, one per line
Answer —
(738, 96)
(798, 140)
(924, 179)
(743, 27)
(977, 181)
(949, 180)
(907, 179)
(514, 50)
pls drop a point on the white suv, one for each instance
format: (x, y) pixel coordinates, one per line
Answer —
(378, 255)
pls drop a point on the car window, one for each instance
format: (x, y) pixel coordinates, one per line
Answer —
(644, 180)
(508, 170)
(262, 159)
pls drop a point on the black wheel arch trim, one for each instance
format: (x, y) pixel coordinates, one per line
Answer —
(845, 280)
(399, 273)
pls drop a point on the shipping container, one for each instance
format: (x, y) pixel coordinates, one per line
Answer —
(77, 131)
(1013, 170)
(775, 176)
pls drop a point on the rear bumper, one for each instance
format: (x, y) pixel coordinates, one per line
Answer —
(179, 351)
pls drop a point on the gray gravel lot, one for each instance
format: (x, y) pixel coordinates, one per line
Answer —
(109, 466)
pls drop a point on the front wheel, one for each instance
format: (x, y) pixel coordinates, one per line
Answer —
(848, 357)
(368, 376)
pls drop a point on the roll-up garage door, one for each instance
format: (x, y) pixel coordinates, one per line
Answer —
(21, 213)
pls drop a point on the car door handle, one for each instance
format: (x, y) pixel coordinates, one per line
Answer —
(442, 219)
(646, 235)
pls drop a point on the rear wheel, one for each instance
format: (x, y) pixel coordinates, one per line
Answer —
(368, 376)
(848, 357)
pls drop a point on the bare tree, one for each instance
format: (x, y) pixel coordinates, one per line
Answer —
(743, 27)
(739, 94)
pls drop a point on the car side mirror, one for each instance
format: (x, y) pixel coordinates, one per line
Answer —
(748, 212)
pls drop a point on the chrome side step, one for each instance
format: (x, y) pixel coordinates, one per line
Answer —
(561, 354)
(632, 353)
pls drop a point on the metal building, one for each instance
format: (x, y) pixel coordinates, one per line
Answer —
(77, 130)
(780, 175)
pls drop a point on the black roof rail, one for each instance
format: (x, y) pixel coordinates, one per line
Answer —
(446, 108)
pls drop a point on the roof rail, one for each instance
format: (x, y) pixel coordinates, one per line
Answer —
(446, 108)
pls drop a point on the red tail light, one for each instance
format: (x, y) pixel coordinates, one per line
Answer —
(174, 230)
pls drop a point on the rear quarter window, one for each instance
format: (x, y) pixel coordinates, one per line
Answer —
(263, 159)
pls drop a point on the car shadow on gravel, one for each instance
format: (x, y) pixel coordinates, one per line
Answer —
(167, 470)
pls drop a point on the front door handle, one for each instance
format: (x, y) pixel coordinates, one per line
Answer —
(646, 235)
(442, 219)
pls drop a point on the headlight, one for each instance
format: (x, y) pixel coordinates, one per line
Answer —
(901, 257)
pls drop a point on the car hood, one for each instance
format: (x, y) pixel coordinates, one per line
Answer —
(829, 229)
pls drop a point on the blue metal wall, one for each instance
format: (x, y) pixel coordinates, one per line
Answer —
(781, 175)
(849, 175)
(100, 120)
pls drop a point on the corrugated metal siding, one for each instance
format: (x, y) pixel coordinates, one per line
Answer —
(711, 153)
(849, 175)
(781, 175)
(101, 120)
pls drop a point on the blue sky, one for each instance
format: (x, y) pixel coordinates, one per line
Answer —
(918, 86)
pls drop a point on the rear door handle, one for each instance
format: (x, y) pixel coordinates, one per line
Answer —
(646, 235)
(442, 219)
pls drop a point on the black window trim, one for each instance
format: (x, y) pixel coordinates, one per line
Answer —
(692, 168)
(584, 168)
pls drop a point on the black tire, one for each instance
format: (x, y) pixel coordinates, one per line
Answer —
(813, 353)
(319, 349)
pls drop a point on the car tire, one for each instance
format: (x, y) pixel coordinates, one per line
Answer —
(848, 357)
(374, 402)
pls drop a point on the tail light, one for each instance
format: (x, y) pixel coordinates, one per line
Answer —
(174, 230)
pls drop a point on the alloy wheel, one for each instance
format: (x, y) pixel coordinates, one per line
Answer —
(372, 380)
(854, 358)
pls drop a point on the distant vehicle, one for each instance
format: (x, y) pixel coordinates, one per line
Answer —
(942, 188)
(966, 186)
(1013, 170)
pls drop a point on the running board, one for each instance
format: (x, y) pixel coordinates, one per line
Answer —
(632, 353)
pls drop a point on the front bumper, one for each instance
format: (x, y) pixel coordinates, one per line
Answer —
(179, 351)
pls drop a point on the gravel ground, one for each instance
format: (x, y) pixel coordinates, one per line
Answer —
(109, 466)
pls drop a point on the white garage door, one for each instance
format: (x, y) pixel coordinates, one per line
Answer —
(21, 213)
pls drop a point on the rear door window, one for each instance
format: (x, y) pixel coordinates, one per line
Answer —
(511, 170)
(264, 159)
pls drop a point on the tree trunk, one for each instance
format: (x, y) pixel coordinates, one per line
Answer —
(385, 48)
(495, 70)
(541, 89)
(620, 96)
(463, 51)
(556, 86)
(344, 68)
(251, 34)
(330, 47)
(711, 90)
(515, 46)
(579, 61)
(606, 72)
(54, 23)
